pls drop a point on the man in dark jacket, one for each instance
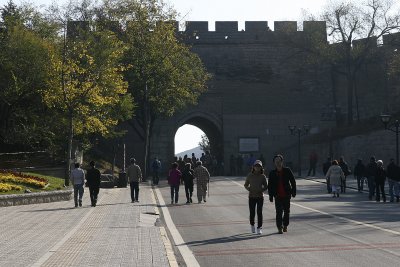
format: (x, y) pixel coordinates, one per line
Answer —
(325, 168)
(188, 177)
(370, 173)
(393, 173)
(346, 171)
(282, 187)
(93, 180)
(359, 174)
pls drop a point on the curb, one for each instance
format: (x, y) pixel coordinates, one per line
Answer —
(35, 198)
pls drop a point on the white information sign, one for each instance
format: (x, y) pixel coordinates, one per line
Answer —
(248, 145)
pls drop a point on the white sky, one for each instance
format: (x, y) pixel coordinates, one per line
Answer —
(231, 10)
(188, 136)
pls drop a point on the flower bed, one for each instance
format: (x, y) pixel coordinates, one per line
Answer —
(9, 187)
(14, 178)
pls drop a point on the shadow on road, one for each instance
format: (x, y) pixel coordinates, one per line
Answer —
(227, 239)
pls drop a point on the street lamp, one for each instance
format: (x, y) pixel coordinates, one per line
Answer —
(294, 130)
(394, 127)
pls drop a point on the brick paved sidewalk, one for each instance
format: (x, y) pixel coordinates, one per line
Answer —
(115, 233)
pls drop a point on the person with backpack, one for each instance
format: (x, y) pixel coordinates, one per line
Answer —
(346, 171)
(156, 167)
(188, 177)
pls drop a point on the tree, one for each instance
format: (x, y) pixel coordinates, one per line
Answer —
(165, 76)
(348, 22)
(91, 94)
(204, 143)
(23, 116)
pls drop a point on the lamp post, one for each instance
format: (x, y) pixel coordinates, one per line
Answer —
(394, 127)
(294, 130)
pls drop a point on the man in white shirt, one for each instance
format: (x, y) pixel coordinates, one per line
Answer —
(78, 181)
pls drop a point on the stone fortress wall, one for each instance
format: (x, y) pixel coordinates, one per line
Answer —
(262, 83)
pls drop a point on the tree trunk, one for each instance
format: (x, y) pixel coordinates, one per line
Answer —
(69, 152)
(147, 146)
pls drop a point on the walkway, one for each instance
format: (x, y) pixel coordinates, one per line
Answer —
(115, 233)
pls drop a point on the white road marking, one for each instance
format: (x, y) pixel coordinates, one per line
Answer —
(335, 216)
(167, 243)
(186, 253)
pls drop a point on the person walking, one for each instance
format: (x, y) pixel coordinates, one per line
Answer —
(393, 174)
(174, 181)
(188, 177)
(256, 184)
(93, 180)
(346, 171)
(359, 174)
(335, 175)
(313, 163)
(380, 181)
(156, 167)
(202, 178)
(194, 159)
(325, 168)
(78, 181)
(370, 173)
(281, 187)
(134, 178)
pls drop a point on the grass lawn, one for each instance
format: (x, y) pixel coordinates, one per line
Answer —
(53, 185)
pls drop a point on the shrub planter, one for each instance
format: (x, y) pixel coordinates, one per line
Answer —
(35, 198)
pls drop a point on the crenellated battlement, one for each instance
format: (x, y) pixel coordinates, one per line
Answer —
(254, 26)
(197, 32)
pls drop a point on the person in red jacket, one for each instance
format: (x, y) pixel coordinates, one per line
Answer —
(174, 181)
(282, 187)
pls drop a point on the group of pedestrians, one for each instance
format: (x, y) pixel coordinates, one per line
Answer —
(281, 187)
(236, 163)
(92, 178)
(186, 175)
(373, 175)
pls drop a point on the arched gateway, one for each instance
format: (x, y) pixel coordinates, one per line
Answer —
(260, 85)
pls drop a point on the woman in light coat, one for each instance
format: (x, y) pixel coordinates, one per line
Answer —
(335, 175)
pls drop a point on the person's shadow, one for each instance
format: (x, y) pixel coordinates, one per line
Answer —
(227, 239)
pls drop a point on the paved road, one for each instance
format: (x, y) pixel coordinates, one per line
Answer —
(324, 231)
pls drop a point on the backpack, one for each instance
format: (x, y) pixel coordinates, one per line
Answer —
(156, 164)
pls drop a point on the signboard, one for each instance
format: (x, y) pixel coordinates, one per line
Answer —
(248, 145)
